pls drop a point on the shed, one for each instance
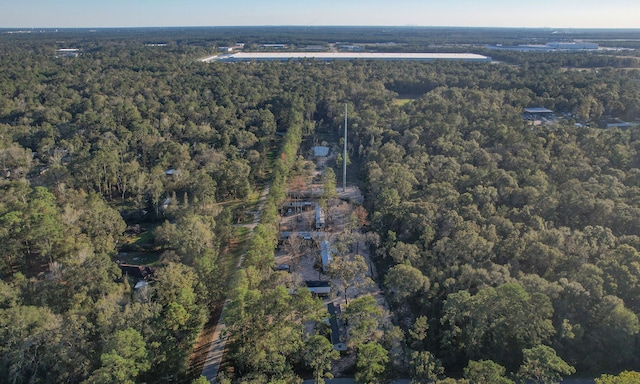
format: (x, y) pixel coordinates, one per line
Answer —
(320, 288)
(320, 219)
(320, 151)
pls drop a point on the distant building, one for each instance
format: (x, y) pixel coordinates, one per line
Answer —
(574, 45)
(538, 110)
(350, 48)
(617, 123)
(331, 56)
(274, 46)
(549, 47)
(538, 115)
(67, 52)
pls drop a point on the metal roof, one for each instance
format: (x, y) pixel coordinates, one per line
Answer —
(320, 151)
(326, 253)
(285, 56)
(538, 110)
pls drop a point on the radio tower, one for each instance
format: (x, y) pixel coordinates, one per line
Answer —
(344, 156)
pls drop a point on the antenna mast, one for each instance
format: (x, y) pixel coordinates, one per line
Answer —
(344, 156)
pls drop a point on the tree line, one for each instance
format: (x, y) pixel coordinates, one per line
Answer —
(511, 247)
(505, 249)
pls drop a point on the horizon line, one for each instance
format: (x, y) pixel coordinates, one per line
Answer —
(322, 26)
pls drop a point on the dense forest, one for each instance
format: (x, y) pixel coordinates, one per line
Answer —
(96, 145)
(508, 251)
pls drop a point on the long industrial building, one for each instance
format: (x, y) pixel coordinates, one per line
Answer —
(330, 56)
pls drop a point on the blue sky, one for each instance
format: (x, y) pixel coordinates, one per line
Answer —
(478, 13)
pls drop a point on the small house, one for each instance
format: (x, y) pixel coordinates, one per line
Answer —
(141, 272)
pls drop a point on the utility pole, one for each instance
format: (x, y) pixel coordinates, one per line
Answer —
(344, 155)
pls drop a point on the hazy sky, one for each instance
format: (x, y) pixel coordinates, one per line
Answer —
(475, 13)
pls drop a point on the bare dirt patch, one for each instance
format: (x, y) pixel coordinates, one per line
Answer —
(205, 339)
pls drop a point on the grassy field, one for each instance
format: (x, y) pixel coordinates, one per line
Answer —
(140, 258)
(401, 102)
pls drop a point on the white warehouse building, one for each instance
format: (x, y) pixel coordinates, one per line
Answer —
(330, 56)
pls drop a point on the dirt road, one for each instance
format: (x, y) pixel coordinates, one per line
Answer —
(219, 341)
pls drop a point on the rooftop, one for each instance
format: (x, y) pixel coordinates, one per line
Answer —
(537, 110)
(285, 56)
(320, 151)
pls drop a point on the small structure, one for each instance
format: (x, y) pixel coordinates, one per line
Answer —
(326, 252)
(141, 272)
(549, 47)
(538, 115)
(67, 52)
(300, 205)
(350, 47)
(319, 288)
(274, 46)
(320, 218)
(618, 123)
(320, 151)
(538, 111)
(574, 46)
(336, 326)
